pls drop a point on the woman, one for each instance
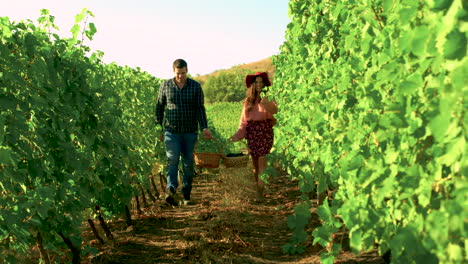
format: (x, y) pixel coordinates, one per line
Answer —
(256, 125)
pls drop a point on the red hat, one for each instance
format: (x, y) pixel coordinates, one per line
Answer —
(250, 78)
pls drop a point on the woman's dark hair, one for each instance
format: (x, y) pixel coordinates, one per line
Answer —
(251, 95)
(179, 63)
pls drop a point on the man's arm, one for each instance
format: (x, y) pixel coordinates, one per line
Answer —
(201, 112)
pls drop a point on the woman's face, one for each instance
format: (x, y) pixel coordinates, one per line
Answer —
(258, 84)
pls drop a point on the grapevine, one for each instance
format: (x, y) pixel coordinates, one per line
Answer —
(373, 113)
(72, 129)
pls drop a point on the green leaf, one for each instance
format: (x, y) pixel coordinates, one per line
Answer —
(322, 182)
(7, 102)
(80, 16)
(424, 199)
(2, 128)
(446, 104)
(30, 42)
(324, 212)
(6, 31)
(387, 5)
(455, 252)
(10, 219)
(466, 247)
(89, 13)
(322, 235)
(408, 87)
(459, 77)
(419, 43)
(455, 45)
(75, 30)
(291, 221)
(5, 155)
(463, 14)
(44, 12)
(356, 240)
(440, 5)
(411, 84)
(405, 41)
(356, 162)
(92, 251)
(400, 242)
(327, 258)
(92, 30)
(302, 209)
(391, 155)
(407, 14)
(454, 151)
(439, 126)
(336, 248)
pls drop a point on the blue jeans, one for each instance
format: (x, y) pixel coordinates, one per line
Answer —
(178, 145)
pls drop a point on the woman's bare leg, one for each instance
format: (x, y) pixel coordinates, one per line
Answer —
(256, 168)
(256, 171)
(262, 164)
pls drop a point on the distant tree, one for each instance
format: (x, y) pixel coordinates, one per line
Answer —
(201, 82)
(227, 86)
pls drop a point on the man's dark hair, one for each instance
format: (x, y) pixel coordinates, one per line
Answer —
(179, 63)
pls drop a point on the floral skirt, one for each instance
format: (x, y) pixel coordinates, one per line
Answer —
(259, 135)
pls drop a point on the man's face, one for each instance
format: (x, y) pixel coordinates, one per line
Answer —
(180, 74)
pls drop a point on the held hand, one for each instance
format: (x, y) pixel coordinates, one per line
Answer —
(160, 133)
(265, 101)
(207, 134)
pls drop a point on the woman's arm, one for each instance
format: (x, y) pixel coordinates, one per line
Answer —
(240, 134)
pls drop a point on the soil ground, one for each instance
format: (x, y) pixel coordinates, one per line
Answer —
(224, 225)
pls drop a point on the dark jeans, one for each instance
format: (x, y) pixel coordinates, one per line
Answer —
(178, 145)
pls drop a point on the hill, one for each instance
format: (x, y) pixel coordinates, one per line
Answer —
(264, 65)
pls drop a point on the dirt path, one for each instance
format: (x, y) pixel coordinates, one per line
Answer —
(223, 226)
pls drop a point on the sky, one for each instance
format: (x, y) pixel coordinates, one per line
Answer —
(209, 34)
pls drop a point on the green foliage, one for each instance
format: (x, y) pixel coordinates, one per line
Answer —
(224, 119)
(226, 86)
(71, 130)
(372, 106)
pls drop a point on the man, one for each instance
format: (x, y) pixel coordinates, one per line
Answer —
(181, 101)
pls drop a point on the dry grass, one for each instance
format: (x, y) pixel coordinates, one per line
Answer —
(264, 65)
(237, 186)
(223, 226)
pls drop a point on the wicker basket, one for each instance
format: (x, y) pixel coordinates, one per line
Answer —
(207, 159)
(236, 162)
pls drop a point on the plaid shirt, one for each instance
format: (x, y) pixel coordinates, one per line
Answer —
(184, 108)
